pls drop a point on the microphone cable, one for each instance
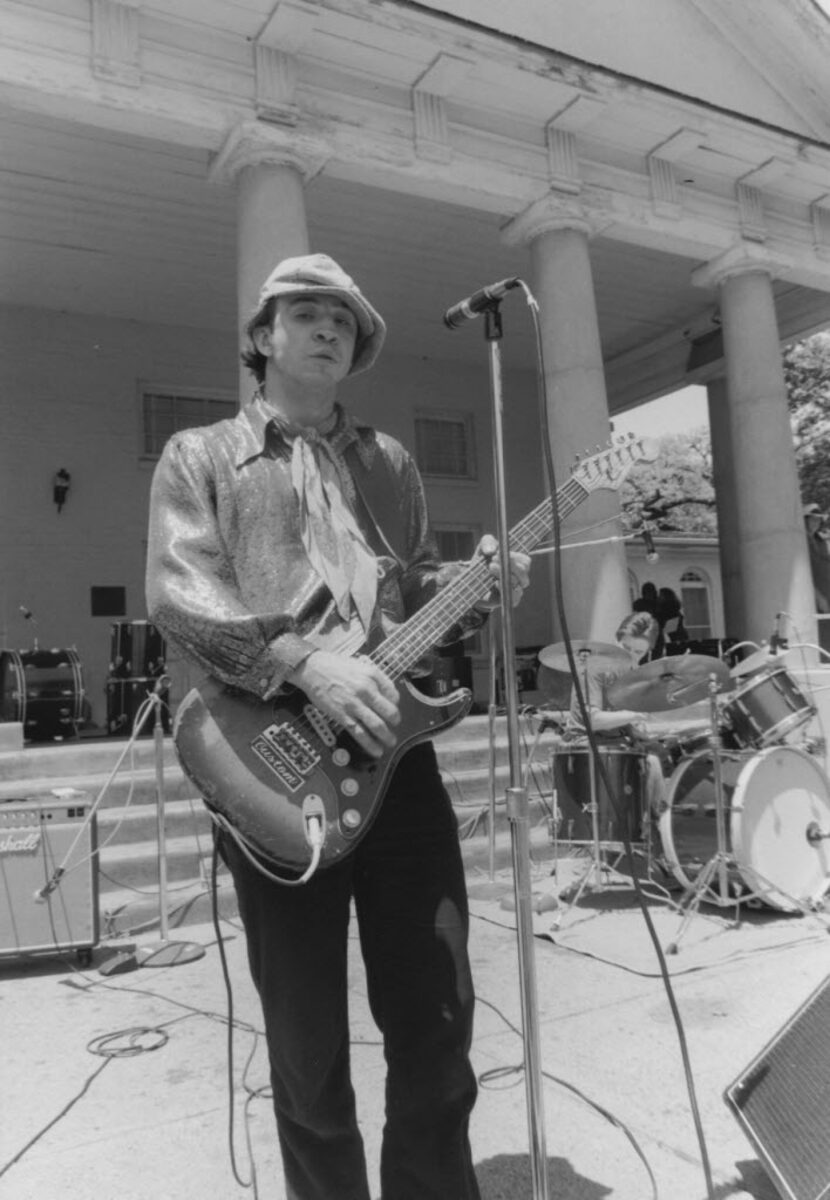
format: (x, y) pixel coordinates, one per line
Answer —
(594, 749)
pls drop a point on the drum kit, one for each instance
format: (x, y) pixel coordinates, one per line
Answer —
(745, 809)
(43, 690)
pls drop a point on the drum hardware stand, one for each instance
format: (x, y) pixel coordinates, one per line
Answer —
(28, 615)
(718, 865)
(516, 795)
(163, 953)
(592, 878)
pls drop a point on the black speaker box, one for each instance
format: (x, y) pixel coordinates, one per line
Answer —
(35, 838)
(782, 1102)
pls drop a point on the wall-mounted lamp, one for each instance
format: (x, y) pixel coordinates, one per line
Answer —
(60, 487)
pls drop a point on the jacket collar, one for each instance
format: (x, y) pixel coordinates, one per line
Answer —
(255, 424)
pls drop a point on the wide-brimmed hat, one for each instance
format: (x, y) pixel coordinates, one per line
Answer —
(321, 274)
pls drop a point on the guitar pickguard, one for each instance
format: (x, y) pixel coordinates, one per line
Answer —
(268, 768)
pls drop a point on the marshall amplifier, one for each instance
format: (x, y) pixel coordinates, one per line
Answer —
(35, 838)
(782, 1102)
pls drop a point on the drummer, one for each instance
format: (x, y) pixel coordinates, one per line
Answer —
(637, 636)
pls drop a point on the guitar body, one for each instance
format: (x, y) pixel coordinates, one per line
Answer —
(267, 768)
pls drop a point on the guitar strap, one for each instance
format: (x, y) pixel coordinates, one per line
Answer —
(375, 490)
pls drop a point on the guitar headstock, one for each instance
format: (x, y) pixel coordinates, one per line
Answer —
(609, 467)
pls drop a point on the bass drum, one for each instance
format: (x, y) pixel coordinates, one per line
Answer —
(776, 809)
(43, 690)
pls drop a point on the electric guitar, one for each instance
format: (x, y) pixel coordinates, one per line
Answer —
(271, 772)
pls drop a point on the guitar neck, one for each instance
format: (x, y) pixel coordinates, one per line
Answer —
(402, 649)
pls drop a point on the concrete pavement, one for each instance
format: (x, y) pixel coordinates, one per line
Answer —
(116, 1086)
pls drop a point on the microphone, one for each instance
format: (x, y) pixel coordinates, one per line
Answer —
(777, 641)
(481, 300)
(27, 615)
(648, 541)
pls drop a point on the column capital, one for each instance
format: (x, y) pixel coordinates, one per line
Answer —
(740, 259)
(549, 213)
(255, 144)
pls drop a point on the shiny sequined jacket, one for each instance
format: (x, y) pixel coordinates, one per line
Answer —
(228, 579)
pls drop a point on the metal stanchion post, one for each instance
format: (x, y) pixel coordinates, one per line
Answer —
(491, 709)
(517, 796)
(163, 953)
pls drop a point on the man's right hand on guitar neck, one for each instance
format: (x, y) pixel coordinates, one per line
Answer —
(355, 693)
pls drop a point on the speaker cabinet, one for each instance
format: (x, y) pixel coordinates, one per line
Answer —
(782, 1102)
(35, 838)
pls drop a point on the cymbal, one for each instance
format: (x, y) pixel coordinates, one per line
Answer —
(671, 682)
(602, 656)
(756, 662)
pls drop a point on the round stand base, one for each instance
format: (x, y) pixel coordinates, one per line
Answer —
(168, 954)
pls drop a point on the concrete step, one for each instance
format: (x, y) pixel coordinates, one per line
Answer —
(127, 911)
(127, 812)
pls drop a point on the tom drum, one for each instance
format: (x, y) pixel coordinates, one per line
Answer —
(777, 824)
(766, 709)
(620, 811)
(137, 650)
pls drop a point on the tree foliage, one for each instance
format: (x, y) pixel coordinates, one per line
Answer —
(807, 374)
(674, 494)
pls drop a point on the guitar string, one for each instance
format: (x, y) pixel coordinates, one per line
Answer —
(406, 645)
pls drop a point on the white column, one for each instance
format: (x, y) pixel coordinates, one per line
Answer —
(723, 480)
(269, 167)
(594, 578)
(771, 541)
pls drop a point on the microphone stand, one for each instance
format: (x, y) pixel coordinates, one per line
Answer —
(491, 714)
(517, 794)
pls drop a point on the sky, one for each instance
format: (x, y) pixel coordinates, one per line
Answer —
(677, 413)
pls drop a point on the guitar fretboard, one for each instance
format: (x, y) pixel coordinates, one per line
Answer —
(402, 649)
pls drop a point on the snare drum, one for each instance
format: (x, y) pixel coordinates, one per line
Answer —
(766, 709)
(774, 804)
(619, 813)
(43, 690)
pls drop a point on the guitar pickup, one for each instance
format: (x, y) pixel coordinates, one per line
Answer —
(289, 755)
(321, 725)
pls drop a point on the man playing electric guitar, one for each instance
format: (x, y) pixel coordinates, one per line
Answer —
(280, 543)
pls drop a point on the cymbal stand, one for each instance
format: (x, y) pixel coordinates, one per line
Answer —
(717, 868)
(592, 877)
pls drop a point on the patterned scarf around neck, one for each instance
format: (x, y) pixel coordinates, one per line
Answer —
(336, 548)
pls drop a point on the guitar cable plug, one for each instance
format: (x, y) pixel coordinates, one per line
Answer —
(314, 832)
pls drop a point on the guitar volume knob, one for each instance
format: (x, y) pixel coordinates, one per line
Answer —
(351, 818)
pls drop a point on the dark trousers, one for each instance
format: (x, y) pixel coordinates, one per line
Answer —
(407, 882)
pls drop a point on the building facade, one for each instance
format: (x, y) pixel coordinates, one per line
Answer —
(658, 176)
